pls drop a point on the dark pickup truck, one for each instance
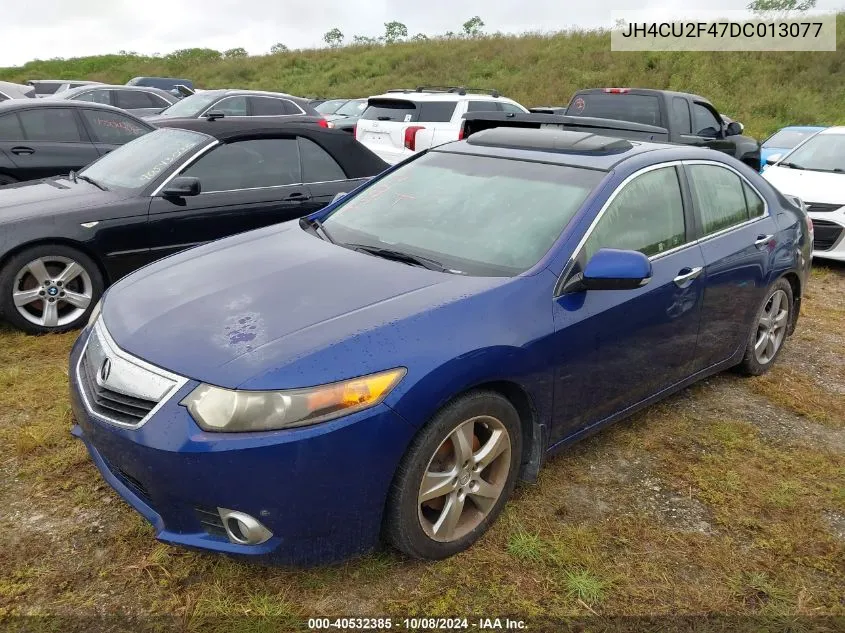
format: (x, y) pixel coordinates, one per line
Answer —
(633, 113)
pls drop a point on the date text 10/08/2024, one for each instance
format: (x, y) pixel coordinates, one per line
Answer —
(416, 624)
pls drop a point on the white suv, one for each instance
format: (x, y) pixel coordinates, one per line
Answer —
(400, 123)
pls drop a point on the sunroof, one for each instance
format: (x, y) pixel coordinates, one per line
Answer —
(549, 140)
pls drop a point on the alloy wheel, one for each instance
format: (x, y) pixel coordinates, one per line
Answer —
(52, 291)
(464, 478)
(771, 328)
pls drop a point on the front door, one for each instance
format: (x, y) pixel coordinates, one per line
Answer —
(615, 348)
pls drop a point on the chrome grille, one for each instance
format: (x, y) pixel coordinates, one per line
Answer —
(118, 387)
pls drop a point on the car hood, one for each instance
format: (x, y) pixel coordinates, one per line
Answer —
(810, 186)
(48, 197)
(226, 312)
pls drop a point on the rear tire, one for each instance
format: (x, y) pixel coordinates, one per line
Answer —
(49, 288)
(455, 478)
(769, 330)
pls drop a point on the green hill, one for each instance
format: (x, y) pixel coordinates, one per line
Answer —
(763, 90)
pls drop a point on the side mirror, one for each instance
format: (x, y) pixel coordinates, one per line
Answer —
(338, 196)
(612, 269)
(182, 186)
(734, 128)
(214, 115)
(772, 159)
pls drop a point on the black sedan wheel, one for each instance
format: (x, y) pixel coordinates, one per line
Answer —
(49, 288)
(455, 478)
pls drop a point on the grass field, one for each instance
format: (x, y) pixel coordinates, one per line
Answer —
(763, 90)
(727, 498)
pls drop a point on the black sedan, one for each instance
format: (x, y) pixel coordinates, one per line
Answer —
(63, 240)
(42, 137)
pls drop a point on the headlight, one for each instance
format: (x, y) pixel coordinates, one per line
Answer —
(216, 409)
(95, 313)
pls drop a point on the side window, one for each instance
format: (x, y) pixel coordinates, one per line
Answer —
(291, 108)
(509, 107)
(484, 106)
(249, 164)
(133, 99)
(266, 106)
(680, 115)
(230, 106)
(755, 204)
(158, 100)
(50, 124)
(10, 128)
(646, 216)
(719, 195)
(317, 164)
(112, 127)
(95, 96)
(705, 123)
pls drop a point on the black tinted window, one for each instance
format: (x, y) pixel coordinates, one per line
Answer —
(10, 128)
(230, 106)
(317, 164)
(248, 164)
(719, 196)
(133, 99)
(95, 96)
(436, 111)
(266, 106)
(290, 107)
(680, 115)
(483, 106)
(50, 124)
(509, 107)
(647, 215)
(391, 110)
(621, 106)
(705, 121)
(112, 127)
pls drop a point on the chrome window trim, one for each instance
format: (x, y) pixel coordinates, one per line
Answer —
(106, 339)
(698, 161)
(186, 164)
(208, 109)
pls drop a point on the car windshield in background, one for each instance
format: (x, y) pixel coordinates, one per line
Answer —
(331, 106)
(823, 152)
(622, 107)
(190, 107)
(474, 214)
(405, 111)
(139, 162)
(352, 108)
(787, 139)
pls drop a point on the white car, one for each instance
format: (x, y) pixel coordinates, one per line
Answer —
(400, 123)
(815, 172)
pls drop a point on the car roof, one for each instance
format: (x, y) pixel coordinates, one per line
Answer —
(415, 95)
(644, 91)
(232, 127)
(81, 89)
(836, 129)
(26, 104)
(565, 147)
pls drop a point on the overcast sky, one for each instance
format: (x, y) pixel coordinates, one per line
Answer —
(42, 29)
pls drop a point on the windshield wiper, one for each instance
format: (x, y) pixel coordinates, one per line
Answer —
(400, 256)
(792, 165)
(319, 228)
(91, 180)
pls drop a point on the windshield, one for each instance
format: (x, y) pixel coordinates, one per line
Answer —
(823, 152)
(139, 162)
(352, 108)
(330, 106)
(787, 139)
(474, 214)
(191, 106)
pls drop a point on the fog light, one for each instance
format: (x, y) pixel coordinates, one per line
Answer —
(243, 529)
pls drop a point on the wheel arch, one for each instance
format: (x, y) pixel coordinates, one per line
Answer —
(794, 281)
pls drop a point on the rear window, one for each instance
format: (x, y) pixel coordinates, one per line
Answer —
(622, 107)
(405, 111)
(45, 89)
(787, 139)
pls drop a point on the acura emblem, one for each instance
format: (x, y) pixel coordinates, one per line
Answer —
(105, 369)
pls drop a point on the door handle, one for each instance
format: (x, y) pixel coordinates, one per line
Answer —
(296, 197)
(687, 274)
(763, 240)
(22, 150)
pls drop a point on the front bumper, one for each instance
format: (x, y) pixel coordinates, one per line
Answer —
(320, 490)
(829, 230)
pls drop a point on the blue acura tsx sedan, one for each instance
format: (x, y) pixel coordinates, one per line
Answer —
(386, 369)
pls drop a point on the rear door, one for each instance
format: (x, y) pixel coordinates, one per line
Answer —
(51, 141)
(245, 185)
(739, 240)
(109, 130)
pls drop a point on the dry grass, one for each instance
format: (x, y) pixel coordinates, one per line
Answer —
(727, 498)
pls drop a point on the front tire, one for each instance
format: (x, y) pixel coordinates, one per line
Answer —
(455, 478)
(49, 288)
(769, 331)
